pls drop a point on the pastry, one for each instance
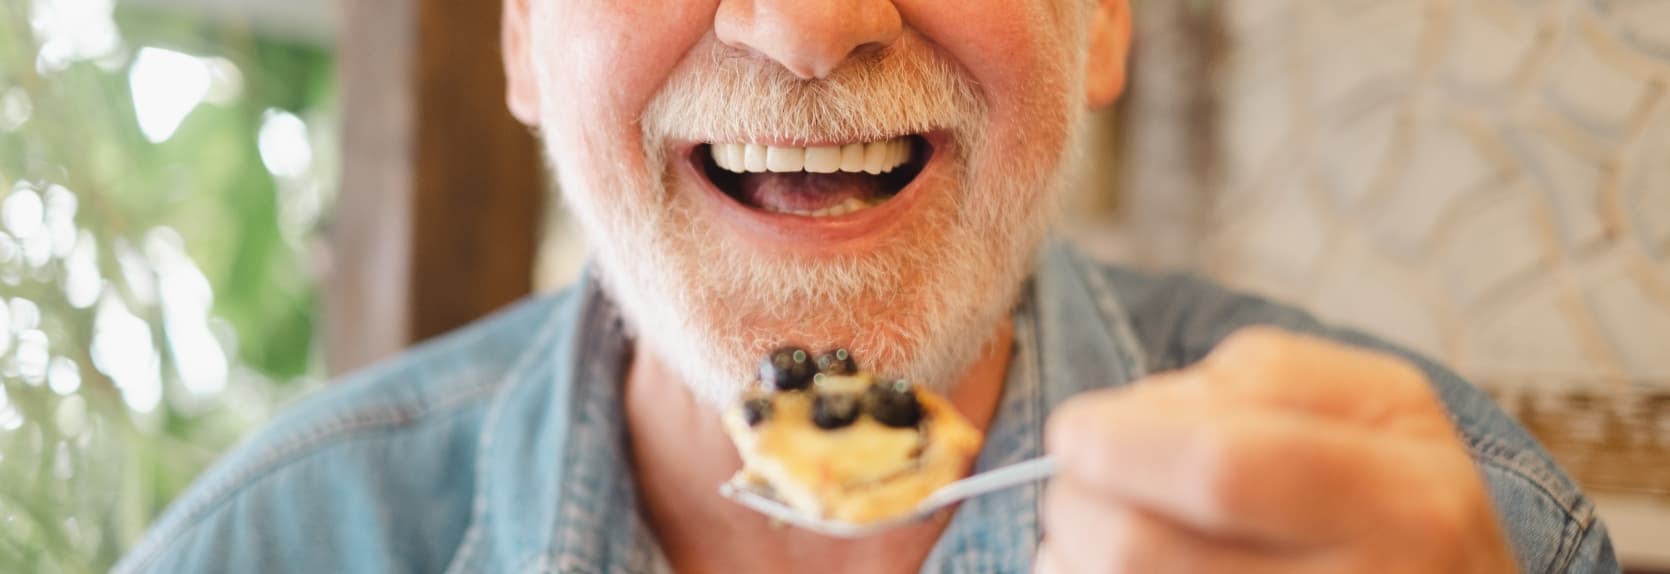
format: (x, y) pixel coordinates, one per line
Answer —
(846, 445)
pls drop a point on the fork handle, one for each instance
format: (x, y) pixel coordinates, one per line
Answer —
(991, 481)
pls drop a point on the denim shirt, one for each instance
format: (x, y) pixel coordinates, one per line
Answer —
(502, 447)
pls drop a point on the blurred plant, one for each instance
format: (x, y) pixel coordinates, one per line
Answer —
(160, 181)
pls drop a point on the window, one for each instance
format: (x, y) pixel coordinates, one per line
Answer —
(163, 173)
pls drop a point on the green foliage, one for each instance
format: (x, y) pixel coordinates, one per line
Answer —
(155, 299)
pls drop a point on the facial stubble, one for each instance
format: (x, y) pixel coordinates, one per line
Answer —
(920, 304)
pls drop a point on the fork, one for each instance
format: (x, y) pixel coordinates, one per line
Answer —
(760, 500)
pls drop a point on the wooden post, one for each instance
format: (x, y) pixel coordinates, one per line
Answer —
(442, 190)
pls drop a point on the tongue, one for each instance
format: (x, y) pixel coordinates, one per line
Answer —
(807, 191)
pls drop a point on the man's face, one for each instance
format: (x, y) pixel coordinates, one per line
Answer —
(722, 157)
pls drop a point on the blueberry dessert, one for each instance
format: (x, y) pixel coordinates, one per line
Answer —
(845, 444)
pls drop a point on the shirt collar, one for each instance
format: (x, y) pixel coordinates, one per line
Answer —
(553, 480)
(598, 527)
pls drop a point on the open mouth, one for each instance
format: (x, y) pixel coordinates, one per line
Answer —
(818, 181)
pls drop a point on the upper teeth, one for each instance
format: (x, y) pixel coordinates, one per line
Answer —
(872, 158)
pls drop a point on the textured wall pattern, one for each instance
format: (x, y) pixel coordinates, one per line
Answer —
(1487, 181)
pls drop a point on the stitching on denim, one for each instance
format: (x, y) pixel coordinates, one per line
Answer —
(286, 451)
(1578, 510)
(1563, 551)
(536, 349)
(1570, 545)
(1035, 412)
(965, 549)
(557, 541)
(1505, 457)
(1107, 301)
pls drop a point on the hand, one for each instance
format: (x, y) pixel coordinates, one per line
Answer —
(1277, 453)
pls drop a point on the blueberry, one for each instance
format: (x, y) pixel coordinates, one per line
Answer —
(837, 362)
(893, 403)
(834, 410)
(756, 410)
(788, 369)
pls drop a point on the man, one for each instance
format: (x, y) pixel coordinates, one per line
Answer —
(1197, 430)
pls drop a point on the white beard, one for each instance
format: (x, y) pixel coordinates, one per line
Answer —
(919, 306)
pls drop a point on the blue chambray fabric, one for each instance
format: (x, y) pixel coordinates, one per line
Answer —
(502, 448)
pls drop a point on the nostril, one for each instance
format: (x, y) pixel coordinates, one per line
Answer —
(802, 68)
(869, 49)
(809, 39)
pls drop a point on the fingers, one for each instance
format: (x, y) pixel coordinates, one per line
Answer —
(1087, 532)
(1219, 467)
(1280, 369)
(1275, 451)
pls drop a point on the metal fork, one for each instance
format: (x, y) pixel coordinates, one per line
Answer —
(984, 483)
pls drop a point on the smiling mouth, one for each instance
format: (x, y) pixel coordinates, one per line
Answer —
(820, 181)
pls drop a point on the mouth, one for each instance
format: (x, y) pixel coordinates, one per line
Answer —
(814, 184)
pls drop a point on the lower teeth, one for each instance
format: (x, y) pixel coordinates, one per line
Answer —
(850, 205)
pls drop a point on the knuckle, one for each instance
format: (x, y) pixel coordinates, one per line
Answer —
(1223, 467)
(1409, 378)
(1256, 350)
(1452, 512)
(1086, 407)
(1403, 382)
(1255, 335)
(1441, 525)
(1079, 413)
(1253, 340)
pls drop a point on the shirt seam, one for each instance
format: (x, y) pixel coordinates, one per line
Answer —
(1505, 457)
(1115, 316)
(1572, 544)
(478, 504)
(1036, 413)
(1575, 509)
(556, 541)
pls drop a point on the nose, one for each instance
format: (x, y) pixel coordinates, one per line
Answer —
(808, 37)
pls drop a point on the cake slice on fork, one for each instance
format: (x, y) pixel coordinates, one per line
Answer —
(846, 445)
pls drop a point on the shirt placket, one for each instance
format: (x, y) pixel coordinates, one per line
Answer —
(999, 532)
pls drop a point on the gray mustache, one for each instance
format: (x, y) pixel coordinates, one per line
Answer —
(720, 93)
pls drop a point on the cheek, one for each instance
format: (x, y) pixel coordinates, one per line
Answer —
(1021, 54)
(602, 62)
